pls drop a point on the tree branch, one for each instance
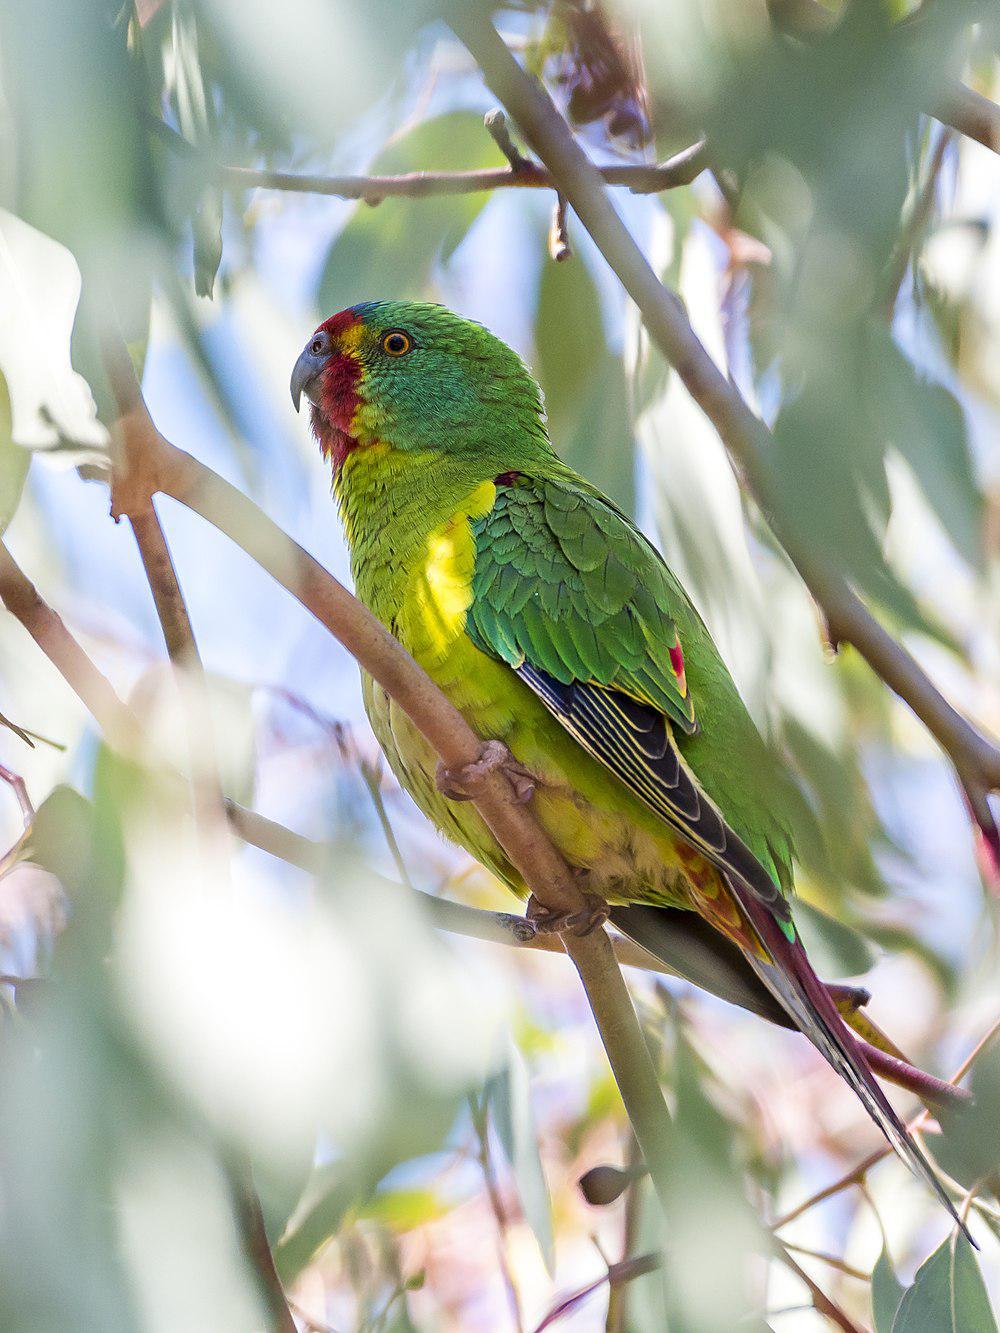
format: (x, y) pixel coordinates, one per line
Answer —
(976, 758)
(676, 171)
(521, 173)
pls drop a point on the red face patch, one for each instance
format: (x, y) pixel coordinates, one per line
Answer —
(338, 395)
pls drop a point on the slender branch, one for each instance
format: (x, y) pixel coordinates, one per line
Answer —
(832, 1260)
(976, 758)
(616, 1277)
(480, 1124)
(821, 1301)
(676, 171)
(21, 598)
(168, 469)
(496, 127)
(251, 1228)
(16, 783)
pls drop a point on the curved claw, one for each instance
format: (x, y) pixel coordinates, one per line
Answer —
(459, 784)
(547, 922)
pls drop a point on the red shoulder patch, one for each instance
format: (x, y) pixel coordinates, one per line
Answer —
(677, 662)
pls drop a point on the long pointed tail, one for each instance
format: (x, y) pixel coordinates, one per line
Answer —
(790, 978)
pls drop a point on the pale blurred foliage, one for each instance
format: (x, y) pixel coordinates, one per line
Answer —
(206, 999)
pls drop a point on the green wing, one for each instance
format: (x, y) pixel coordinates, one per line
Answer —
(563, 581)
(582, 607)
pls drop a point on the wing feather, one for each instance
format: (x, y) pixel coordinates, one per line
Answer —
(580, 608)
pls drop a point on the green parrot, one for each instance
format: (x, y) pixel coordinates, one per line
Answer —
(559, 632)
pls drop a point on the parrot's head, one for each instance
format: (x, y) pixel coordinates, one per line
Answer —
(417, 377)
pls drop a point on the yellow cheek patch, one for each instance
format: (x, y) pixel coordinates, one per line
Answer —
(351, 338)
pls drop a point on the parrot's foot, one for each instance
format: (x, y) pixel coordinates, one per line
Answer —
(547, 922)
(459, 784)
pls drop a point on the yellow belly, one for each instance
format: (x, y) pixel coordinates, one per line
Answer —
(627, 853)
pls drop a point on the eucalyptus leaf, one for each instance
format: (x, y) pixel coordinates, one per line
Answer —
(196, 116)
(508, 1096)
(887, 1292)
(50, 406)
(836, 949)
(968, 1148)
(583, 381)
(948, 1294)
(389, 252)
(14, 462)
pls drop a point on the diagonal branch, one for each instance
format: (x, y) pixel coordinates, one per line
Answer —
(975, 757)
(520, 174)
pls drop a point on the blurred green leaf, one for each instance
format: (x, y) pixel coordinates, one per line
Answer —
(707, 1211)
(887, 1292)
(13, 462)
(389, 252)
(829, 458)
(948, 1295)
(583, 381)
(927, 424)
(837, 842)
(968, 1148)
(836, 950)
(196, 117)
(402, 1209)
(85, 173)
(508, 1096)
(327, 1199)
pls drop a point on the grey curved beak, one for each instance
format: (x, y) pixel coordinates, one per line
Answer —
(306, 370)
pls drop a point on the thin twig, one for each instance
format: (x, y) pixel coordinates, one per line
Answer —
(615, 1321)
(480, 1124)
(832, 1260)
(16, 784)
(559, 246)
(821, 1301)
(21, 598)
(616, 1276)
(496, 126)
(251, 1229)
(371, 777)
(976, 758)
(679, 170)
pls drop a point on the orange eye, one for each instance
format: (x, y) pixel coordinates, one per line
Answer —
(396, 343)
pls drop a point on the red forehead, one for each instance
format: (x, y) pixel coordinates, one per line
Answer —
(340, 323)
